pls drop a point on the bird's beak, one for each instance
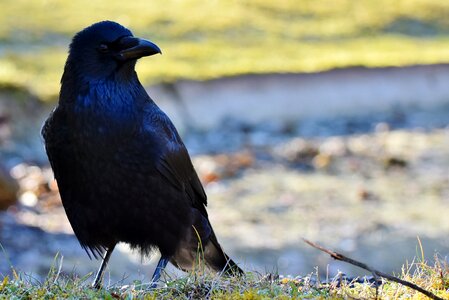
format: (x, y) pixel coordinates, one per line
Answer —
(134, 48)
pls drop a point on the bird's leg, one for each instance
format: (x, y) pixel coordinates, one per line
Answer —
(163, 261)
(99, 277)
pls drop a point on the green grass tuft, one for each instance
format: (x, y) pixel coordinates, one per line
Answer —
(202, 285)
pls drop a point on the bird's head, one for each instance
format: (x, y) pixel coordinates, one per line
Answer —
(105, 48)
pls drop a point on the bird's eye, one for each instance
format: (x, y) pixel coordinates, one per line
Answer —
(103, 48)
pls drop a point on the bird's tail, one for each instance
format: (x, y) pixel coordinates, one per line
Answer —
(218, 260)
(201, 244)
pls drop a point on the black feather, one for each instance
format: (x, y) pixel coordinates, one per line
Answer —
(123, 172)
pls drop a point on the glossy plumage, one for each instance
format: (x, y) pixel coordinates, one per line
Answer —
(123, 172)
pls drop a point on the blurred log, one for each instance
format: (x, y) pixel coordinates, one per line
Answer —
(9, 188)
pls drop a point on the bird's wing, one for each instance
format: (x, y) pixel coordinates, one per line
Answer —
(177, 168)
(172, 159)
(175, 165)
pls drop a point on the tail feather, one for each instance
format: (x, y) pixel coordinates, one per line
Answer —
(231, 268)
(201, 242)
(218, 260)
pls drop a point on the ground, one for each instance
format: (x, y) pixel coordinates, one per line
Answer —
(366, 187)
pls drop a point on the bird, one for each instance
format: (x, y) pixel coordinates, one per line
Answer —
(123, 172)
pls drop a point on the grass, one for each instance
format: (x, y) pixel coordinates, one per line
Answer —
(210, 39)
(199, 285)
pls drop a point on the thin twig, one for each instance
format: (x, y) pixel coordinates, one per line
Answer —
(375, 273)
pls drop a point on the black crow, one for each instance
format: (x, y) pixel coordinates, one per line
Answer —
(123, 172)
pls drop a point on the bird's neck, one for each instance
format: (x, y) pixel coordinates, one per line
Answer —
(107, 103)
(106, 95)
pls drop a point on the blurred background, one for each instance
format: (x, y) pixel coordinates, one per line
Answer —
(327, 120)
